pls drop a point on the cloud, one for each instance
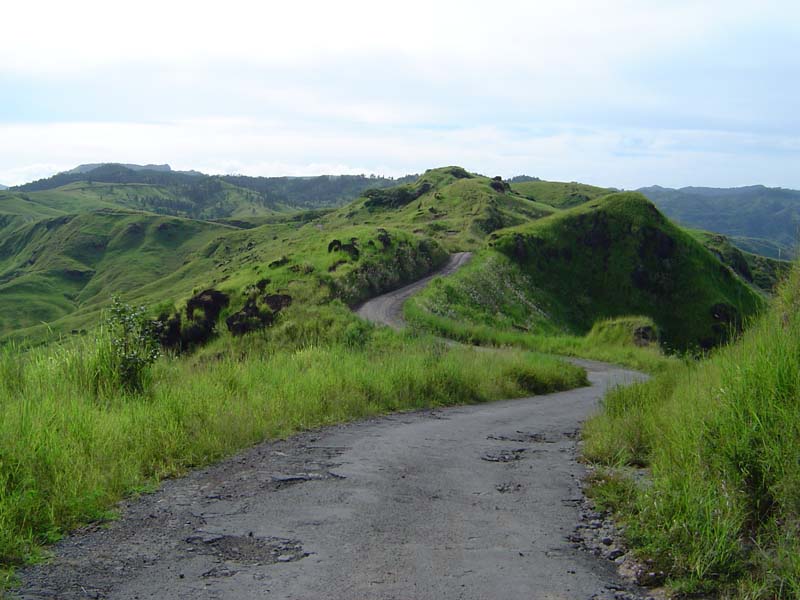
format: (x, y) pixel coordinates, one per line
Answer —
(627, 158)
(357, 85)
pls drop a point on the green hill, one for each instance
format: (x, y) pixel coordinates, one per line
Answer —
(66, 250)
(557, 194)
(619, 256)
(758, 219)
(196, 193)
(763, 272)
(456, 207)
(57, 274)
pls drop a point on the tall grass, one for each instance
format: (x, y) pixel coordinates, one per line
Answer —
(71, 446)
(722, 440)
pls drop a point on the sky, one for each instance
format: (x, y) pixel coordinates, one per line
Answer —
(617, 93)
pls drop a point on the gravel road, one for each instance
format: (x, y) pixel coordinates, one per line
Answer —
(388, 308)
(473, 502)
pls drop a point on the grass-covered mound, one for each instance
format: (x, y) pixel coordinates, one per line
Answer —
(721, 508)
(559, 194)
(73, 442)
(492, 302)
(617, 256)
(455, 207)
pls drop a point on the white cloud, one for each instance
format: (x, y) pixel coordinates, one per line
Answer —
(620, 92)
(622, 158)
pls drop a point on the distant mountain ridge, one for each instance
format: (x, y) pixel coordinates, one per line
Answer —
(209, 196)
(757, 218)
(92, 166)
(3, 187)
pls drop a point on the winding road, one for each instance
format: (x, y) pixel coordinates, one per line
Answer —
(472, 502)
(387, 309)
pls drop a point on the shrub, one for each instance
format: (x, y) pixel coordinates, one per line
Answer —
(134, 344)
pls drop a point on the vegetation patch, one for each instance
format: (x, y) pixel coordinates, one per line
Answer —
(719, 510)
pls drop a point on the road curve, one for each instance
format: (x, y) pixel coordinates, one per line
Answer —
(387, 309)
(471, 502)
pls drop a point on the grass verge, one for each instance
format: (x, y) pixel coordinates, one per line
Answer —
(720, 511)
(592, 346)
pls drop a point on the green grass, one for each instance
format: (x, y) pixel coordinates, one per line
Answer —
(649, 359)
(721, 509)
(72, 443)
(57, 274)
(617, 255)
(557, 194)
(491, 301)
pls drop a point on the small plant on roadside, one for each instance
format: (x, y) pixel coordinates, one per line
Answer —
(134, 343)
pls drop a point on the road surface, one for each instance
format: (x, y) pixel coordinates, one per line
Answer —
(387, 309)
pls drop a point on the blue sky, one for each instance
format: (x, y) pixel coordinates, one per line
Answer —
(620, 93)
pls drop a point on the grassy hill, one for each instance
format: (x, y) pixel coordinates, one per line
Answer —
(758, 219)
(449, 204)
(557, 194)
(617, 256)
(763, 272)
(57, 274)
(609, 258)
(67, 250)
(196, 192)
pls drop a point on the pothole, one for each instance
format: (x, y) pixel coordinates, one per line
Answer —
(505, 488)
(524, 437)
(277, 482)
(504, 456)
(248, 549)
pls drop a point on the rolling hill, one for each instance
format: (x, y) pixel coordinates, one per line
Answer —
(613, 257)
(195, 187)
(619, 256)
(757, 219)
(575, 253)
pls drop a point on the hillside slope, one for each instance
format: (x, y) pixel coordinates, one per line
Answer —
(619, 256)
(449, 204)
(196, 187)
(57, 274)
(65, 251)
(758, 219)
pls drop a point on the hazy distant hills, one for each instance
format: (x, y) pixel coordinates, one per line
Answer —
(3, 187)
(758, 219)
(92, 166)
(159, 189)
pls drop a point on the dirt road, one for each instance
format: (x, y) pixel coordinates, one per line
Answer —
(475, 502)
(388, 308)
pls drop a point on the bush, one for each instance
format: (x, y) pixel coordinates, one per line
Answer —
(134, 344)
